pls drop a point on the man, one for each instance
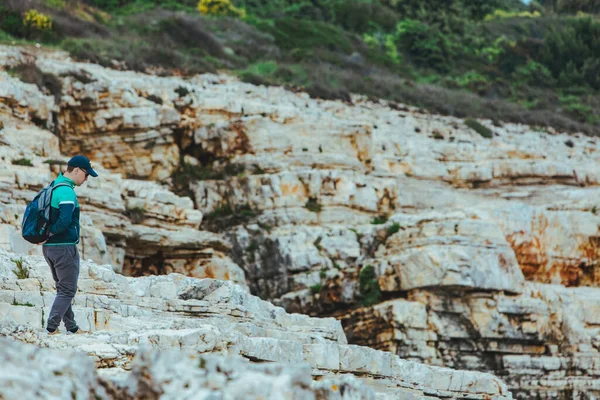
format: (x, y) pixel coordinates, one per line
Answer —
(60, 250)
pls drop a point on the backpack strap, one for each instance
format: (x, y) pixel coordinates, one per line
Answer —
(50, 196)
(59, 185)
(47, 210)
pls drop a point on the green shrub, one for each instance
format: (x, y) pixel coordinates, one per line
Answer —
(426, 44)
(471, 80)
(381, 219)
(479, 128)
(245, 211)
(450, 10)
(109, 4)
(266, 68)
(137, 54)
(394, 228)
(55, 162)
(56, 4)
(511, 14)
(361, 16)
(11, 22)
(292, 33)
(571, 53)
(241, 213)
(575, 6)
(21, 272)
(258, 170)
(231, 169)
(313, 205)
(369, 286)
(573, 105)
(493, 51)
(5, 37)
(317, 243)
(534, 73)
(154, 98)
(222, 211)
(385, 42)
(316, 288)
(23, 161)
(272, 73)
(181, 91)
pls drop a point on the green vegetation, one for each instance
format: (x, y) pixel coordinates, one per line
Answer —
(55, 162)
(21, 272)
(222, 211)
(228, 215)
(395, 227)
(317, 243)
(382, 219)
(479, 128)
(16, 303)
(499, 59)
(23, 161)
(313, 205)
(369, 286)
(316, 288)
(258, 170)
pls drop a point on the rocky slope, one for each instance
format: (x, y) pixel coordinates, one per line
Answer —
(225, 333)
(421, 235)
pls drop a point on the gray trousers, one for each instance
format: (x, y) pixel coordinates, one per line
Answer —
(64, 264)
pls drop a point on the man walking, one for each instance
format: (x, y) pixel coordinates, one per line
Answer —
(60, 250)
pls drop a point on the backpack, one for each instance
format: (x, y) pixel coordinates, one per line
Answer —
(36, 219)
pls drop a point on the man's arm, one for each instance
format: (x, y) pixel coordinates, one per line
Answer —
(65, 216)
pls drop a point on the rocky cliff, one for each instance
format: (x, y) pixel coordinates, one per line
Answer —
(223, 337)
(454, 243)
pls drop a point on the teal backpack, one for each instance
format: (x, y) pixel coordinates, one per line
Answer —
(36, 220)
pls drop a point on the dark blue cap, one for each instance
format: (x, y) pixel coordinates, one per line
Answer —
(84, 163)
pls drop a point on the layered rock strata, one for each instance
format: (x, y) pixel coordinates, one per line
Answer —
(133, 324)
(468, 249)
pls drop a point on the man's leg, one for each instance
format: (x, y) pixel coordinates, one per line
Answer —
(50, 263)
(69, 317)
(66, 267)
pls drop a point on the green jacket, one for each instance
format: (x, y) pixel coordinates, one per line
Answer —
(64, 214)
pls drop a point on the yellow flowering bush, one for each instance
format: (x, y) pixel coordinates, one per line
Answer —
(220, 7)
(499, 14)
(37, 20)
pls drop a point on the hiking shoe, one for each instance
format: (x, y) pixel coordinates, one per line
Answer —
(73, 331)
(50, 332)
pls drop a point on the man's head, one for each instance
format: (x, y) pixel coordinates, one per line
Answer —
(78, 169)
